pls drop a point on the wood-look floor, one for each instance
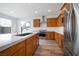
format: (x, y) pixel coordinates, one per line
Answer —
(48, 48)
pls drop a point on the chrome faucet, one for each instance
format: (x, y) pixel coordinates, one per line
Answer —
(23, 27)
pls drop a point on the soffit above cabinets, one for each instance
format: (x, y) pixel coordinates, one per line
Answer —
(21, 10)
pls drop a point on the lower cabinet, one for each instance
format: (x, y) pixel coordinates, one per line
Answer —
(59, 39)
(25, 48)
(29, 50)
(62, 41)
(50, 35)
(32, 44)
(29, 46)
(55, 36)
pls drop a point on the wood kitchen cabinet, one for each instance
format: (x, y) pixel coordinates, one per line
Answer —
(24, 48)
(59, 39)
(59, 21)
(51, 22)
(32, 44)
(56, 37)
(55, 22)
(36, 22)
(29, 50)
(53, 35)
(60, 18)
(62, 41)
(66, 5)
(50, 35)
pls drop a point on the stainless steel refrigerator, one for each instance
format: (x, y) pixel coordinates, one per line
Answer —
(69, 31)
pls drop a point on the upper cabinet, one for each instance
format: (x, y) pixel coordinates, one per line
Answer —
(36, 22)
(55, 22)
(60, 18)
(66, 5)
(59, 21)
(51, 22)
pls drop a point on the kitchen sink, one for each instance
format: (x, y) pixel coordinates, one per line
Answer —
(24, 34)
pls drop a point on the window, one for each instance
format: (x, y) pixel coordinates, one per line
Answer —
(22, 23)
(26, 24)
(5, 22)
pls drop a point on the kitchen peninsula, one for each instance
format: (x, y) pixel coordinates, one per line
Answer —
(12, 45)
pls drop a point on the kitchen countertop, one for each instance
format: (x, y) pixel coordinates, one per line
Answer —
(62, 33)
(59, 30)
(8, 40)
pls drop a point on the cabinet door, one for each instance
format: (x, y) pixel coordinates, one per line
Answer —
(62, 41)
(34, 45)
(59, 21)
(29, 46)
(35, 42)
(36, 22)
(59, 39)
(51, 22)
(48, 35)
(53, 35)
(29, 49)
(56, 37)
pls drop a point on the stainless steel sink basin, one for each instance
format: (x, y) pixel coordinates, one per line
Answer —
(23, 34)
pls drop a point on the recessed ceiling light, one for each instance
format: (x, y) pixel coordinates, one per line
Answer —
(49, 10)
(36, 12)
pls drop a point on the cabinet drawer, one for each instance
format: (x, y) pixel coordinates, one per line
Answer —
(11, 50)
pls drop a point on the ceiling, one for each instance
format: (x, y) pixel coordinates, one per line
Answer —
(21, 10)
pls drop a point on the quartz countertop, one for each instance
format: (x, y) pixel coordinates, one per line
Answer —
(59, 30)
(8, 40)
